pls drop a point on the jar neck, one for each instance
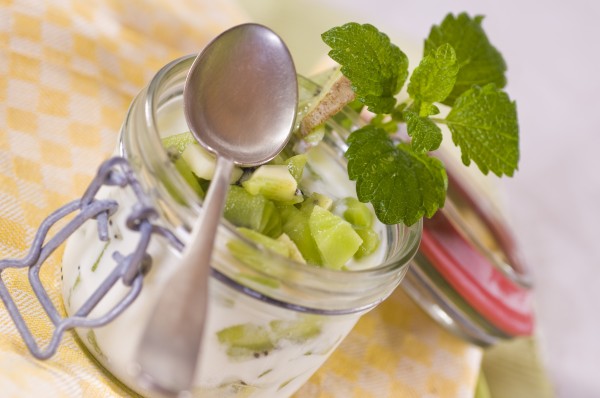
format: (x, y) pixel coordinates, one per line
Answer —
(290, 284)
(150, 117)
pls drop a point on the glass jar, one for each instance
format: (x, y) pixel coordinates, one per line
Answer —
(468, 274)
(271, 321)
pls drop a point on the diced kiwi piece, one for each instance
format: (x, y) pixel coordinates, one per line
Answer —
(355, 212)
(203, 163)
(279, 159)
(252, 211)
(188, 176)
(262, 280)
(270, 243)
(296, 165)
(319, 199)
(246, 340)
(297, 331)
(185, 172)
(178, 141)
(257, 259)
(274, 182)
(286, 383)
(237, 389)
(204, 184)
(294, 224)
(315, 136)
(336, 239)
(295, 253)
(370, 243)
(266, 372)
(271, 225)
(249, 255)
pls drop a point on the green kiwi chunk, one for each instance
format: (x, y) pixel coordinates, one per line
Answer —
(189, 177)
(203, 163)
(355, 212)
(296, 331)
(266, 241)
(370, 243)
(255, 212)
(294, 252)
(178, 141)
(296, 165)
(273, 182)
(294, 224)
(254, 257)
(318, 199)
(246, 340)
(335, 238)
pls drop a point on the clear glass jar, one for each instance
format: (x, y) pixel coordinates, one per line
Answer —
(272, 321)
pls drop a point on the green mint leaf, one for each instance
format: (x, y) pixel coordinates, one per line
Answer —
(480, 62)
(375, 66)
(424, 109)
(483, 123)
(398, 112)
(434, 78)
(402, 185)
(426, 135)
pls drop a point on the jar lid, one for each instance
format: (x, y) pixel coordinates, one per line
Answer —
(472, 248)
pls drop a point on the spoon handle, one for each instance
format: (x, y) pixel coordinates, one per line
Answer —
(170, 347)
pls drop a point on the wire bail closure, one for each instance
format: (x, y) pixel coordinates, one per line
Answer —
(130, 268)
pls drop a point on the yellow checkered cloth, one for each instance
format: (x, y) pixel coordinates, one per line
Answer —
(68, 71)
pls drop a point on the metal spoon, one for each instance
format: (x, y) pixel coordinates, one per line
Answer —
(240, 100)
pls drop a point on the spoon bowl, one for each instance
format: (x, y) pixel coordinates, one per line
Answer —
(240, 99)
(234, 101)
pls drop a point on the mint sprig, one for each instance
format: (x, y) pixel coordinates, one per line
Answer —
(484, 125)
(480, 62)
(402, 185)
(376, 67)
(426, 135)
(461, 69)
(435, 77)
